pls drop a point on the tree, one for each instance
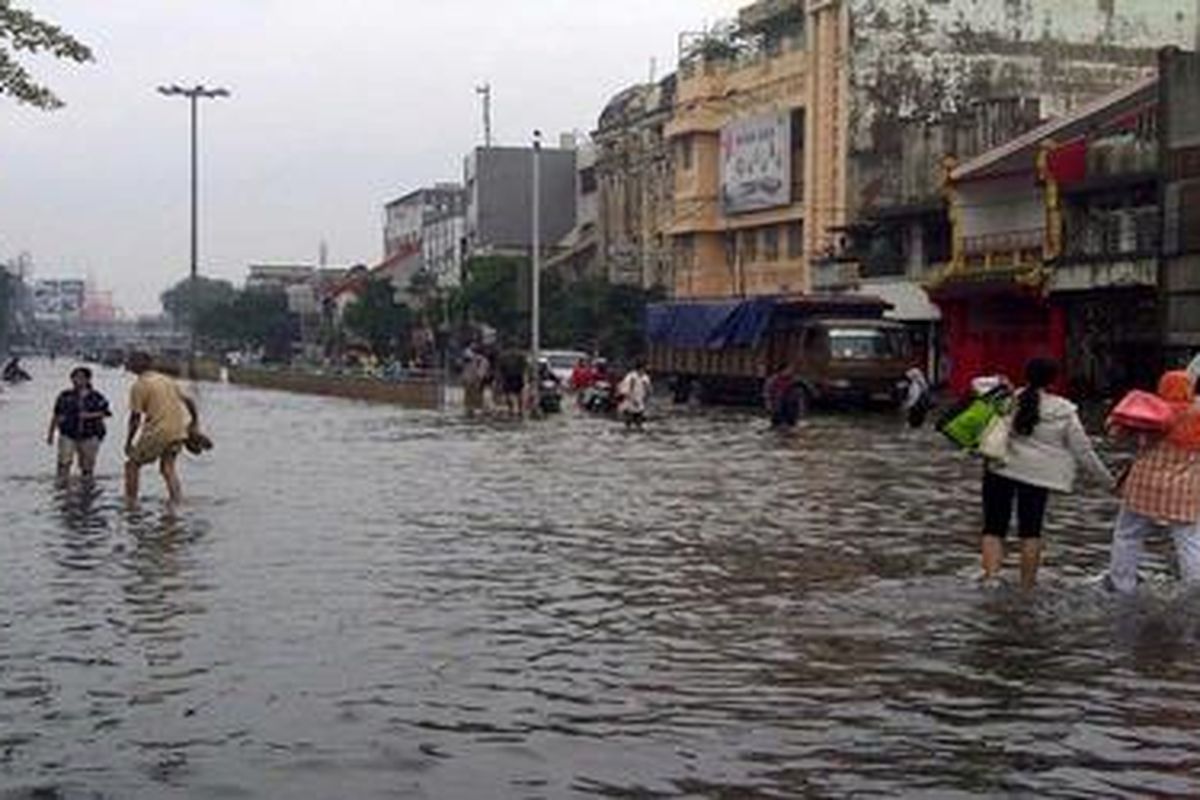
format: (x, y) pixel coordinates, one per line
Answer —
(494, 292)
(22, 31)
(263, 320)
(378, 318)
(592, 314)
(209, 294)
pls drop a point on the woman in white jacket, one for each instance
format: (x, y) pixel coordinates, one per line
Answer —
(1045, 447)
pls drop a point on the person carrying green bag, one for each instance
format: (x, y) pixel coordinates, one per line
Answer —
(965, 423)
(1046, 442)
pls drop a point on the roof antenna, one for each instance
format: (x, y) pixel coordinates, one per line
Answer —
(485, 91)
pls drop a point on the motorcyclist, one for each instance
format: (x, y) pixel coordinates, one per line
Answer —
(582, 376)
(14, 372)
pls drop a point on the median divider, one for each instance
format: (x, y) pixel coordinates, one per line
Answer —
(422, 391)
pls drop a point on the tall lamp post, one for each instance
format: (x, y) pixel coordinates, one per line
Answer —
(194, 94)
(536, 250)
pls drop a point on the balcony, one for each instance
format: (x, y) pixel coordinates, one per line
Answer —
(1126, 272)
(832, 275)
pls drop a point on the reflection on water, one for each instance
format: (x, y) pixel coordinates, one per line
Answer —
(359, 601)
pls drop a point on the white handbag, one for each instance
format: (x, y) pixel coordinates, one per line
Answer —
(993, 442)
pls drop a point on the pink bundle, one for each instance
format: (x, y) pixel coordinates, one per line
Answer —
(1143, 411)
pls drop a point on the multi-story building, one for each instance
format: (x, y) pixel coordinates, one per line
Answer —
(814, 117)
(634, 181)
(499, 191)
(423, 232)
(1070, 241)
(576, 256)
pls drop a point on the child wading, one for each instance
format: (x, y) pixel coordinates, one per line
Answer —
(1162, 491)
(1046, 444)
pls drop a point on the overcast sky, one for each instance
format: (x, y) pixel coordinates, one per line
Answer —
(336, 107)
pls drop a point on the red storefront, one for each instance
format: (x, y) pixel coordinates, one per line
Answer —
(994, 328)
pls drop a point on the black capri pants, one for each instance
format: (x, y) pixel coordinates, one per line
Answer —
(999, 496)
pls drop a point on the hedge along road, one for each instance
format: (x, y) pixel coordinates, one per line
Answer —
(359, 600)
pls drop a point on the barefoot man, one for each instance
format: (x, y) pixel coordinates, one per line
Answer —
(160, 418)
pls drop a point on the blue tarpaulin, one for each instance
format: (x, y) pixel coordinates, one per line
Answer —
(745, 325)
(709, 324)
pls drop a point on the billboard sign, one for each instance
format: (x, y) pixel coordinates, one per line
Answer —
(756, 163)
(58, 299)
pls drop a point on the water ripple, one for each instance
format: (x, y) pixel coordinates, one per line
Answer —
(362, 601)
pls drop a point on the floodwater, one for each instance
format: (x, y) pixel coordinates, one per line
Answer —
(360, 601)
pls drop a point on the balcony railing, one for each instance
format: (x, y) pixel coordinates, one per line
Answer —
(1113, 235)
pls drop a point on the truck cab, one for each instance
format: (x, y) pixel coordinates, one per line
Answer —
(846, 361)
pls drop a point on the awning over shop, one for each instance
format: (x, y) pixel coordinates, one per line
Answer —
(909, 301)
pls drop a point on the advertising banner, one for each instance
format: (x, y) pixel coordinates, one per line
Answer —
(756, 163)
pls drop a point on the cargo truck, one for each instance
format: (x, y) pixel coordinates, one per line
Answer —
(840, 347)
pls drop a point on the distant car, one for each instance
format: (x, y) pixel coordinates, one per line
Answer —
(562, 363)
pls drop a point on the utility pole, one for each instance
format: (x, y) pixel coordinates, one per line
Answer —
(485, 91)
(194, 95)
(536, 250)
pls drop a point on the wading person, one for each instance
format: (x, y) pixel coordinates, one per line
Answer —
(634, 392)
(1162, 491)
(1046, 444)
(474, 374)
(511, 367)
(78, 419)
(161, 417)
(917, 400)
(782, 398)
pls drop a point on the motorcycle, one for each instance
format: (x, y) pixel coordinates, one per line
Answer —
(549, 396)
(599, 398)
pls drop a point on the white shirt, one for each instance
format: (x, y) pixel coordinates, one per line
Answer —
(634, 390)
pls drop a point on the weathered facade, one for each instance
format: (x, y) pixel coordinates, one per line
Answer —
(1180, 142)
(634, 177)
(881, 93)
(1079, 240)
(931, 78)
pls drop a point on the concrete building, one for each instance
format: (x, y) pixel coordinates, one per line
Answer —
(278, 277)
(1079, 240)
(499, 190)
(423, 231)
(634, 179)
(810, 117)
(577, 255)
(1179, 125)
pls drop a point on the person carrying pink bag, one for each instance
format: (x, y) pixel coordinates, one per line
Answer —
(1161, 491)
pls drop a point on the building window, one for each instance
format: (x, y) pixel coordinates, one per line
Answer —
(749, 246)
(685, 152)
(770, 243)
(685, 251)
(795, 239)
(587, 180)
(797, 155)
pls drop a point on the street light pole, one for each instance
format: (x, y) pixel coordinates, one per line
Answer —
(536, 247)
(194, 95)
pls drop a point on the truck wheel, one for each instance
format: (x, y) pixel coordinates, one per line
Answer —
(682, 390)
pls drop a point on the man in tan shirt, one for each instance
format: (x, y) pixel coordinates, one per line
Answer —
(160, 418)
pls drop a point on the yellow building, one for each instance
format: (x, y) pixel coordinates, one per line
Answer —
(807, 119)
(757, 176)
